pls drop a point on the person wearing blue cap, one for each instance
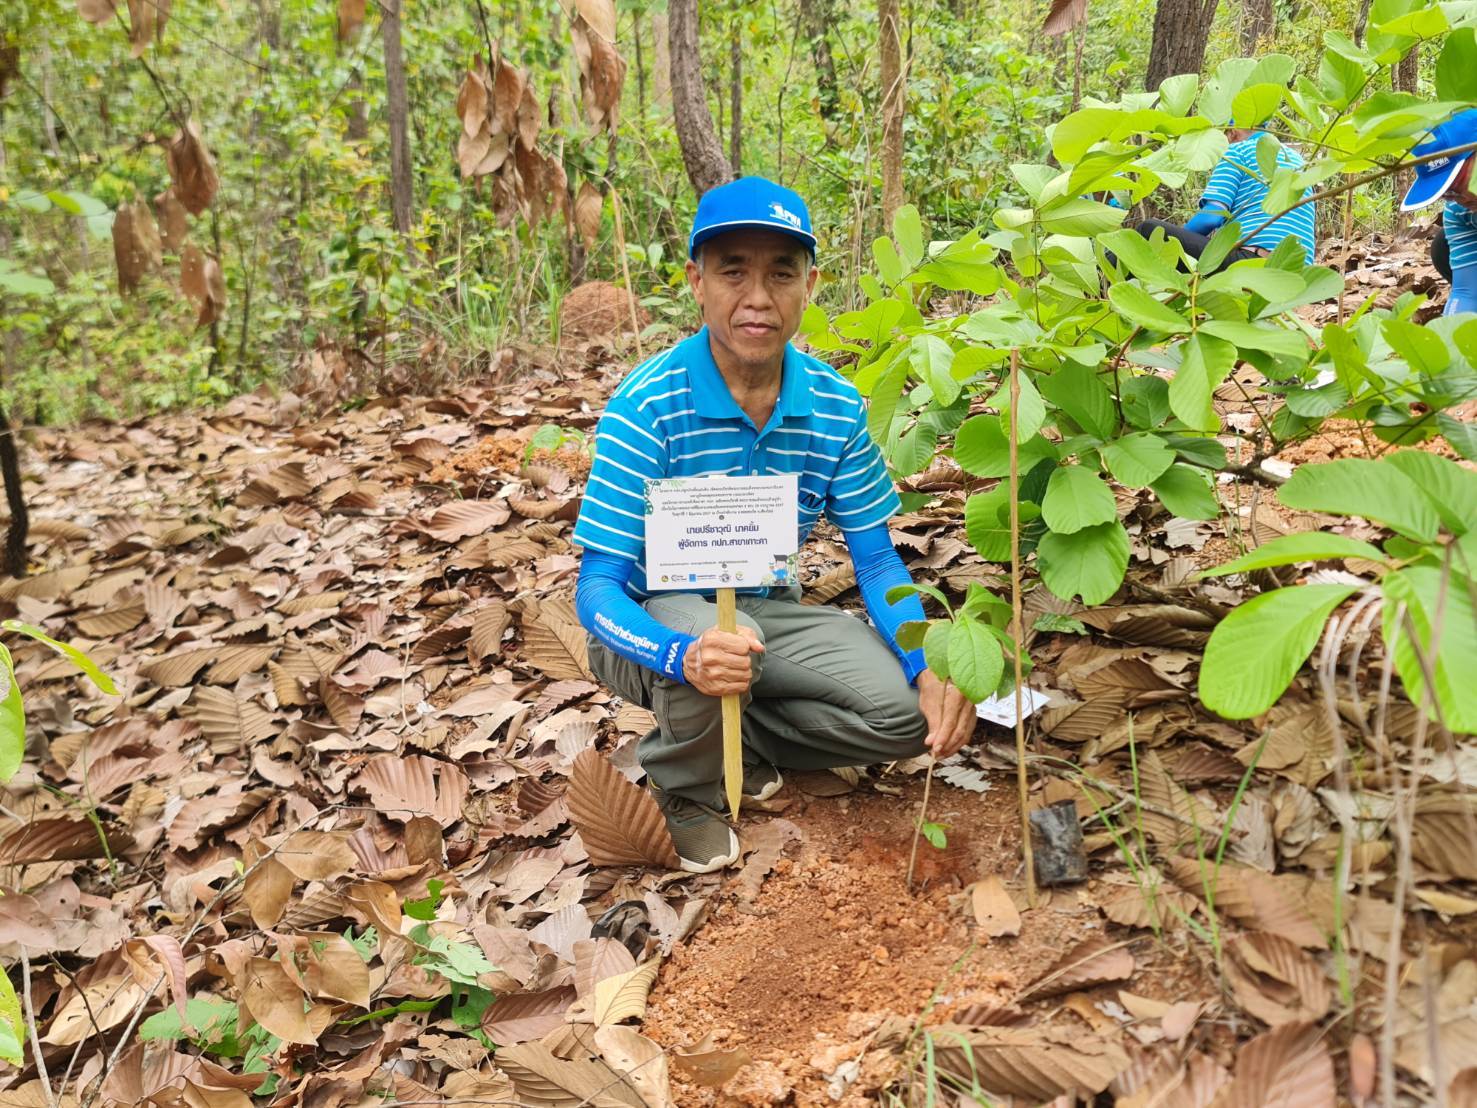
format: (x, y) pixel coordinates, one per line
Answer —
(1237, 191)
(1447, 176)
(819, 688)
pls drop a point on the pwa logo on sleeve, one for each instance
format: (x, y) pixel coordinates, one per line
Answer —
(780, 212)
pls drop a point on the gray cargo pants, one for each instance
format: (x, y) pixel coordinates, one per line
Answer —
(827, 692)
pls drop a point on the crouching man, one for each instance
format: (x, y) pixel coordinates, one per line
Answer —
(819, 687)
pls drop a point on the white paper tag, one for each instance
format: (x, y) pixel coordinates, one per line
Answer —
(1001, 709)
(721, 532)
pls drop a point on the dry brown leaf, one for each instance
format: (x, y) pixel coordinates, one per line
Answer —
(206, 814)
(541, 1079)
(1462, 1092)
(623, 997)
(465, 518)
(1441, 838)
(268, 888)
(1288, 1067)
(415, 786)
(232, 724)
(488, 626)
(97, 11)
(333, 968)
(111, 623)
(61, 840)
(708, 1066)
(1159, 907)
(522, 1017)
(764, 844)
(1025, 1062)
(231, 663)
(350, 19)
(1363, 1067)
(597, 959)
(1273, 980)
(145, 956)
(192, 169)
(1094, 961)
(316, 855)
(993, 909)
(204, 283)
(554, 642)
(1064, 15)
(288, 688)
(174, 221)
(274, 1000)
(642, 1063)
(1258, 900)
(589, 207)
(102, 1004)
(344, 708)
(136, 245)
(618, 822)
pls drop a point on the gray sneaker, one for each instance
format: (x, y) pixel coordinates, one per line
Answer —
(704, 840)
(761, 781)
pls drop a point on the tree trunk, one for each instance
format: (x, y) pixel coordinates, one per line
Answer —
(402, 195)
(1258, 21)
(1405, 77)
(1361, 21)
(815, 19)
(702, 153)
(889, 26)
(1181, 28)
(661, 60)
(15, 538)
(735, 101)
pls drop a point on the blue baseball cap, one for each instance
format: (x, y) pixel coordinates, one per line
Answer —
(751, 202)
(1433, 178)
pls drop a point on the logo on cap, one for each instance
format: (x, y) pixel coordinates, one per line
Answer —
(1437, 163)
(779, 211)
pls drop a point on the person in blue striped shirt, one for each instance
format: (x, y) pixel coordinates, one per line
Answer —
(819, 687)
(1237, 191)
(1454, 249)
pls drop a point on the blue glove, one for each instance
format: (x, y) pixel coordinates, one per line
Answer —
(1206, 221)
(1463, 296)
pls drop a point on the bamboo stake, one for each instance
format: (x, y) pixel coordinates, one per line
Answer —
(733, 735)
(1017, 629)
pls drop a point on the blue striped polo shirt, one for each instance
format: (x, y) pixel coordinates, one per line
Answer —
(673, 416)
(1461, 234)
(1236, 184)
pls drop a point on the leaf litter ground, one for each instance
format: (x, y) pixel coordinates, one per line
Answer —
(351, 672)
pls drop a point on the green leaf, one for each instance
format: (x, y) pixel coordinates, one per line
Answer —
(1252, 336)
(1146, 401)
(1359, 487)
(1207, 362)
(12, 1025)
(1079, 215)
(883, 401)
(910, 634)
(1177, 93)
(987, 522)
(1077, 498)
(907, 229)
(71, 653)
(1142, 310)
(22, 283)
(1456, 76)
(1254, 104)
(1080, 392)
(1138, 459)
(12, 719)
(1452, 489)
(1089, 563)
(1461, 435)
(1307, 546)
(1187, 492)
(982, 449)
(935, 834)
(1340, 78)
(1033, 408)
(936, 647)
(1255, 652)
(931, 358)
(1422, 349)
(912, 588)
(975, 660)
(1151, 262)
(1201, 150)
(1442, 616)
(889, 265)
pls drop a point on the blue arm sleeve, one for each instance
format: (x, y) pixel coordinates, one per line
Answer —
(878, 569)
(1463, 296)
(609, 613)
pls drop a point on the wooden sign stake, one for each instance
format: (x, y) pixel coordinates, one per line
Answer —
(733, 734)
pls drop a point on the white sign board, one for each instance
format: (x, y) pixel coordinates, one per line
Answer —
(721, 532)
